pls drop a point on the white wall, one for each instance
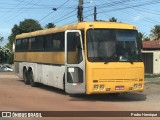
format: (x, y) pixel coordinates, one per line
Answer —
(155, 59)
(156, 62)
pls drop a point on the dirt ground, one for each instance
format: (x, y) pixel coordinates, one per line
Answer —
(16, 96)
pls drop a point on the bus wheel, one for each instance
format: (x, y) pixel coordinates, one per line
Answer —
(25, 76)
(31, 78)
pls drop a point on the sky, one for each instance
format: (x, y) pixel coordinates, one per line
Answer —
(144, 14)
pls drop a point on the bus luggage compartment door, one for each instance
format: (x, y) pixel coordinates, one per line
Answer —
(74, 63)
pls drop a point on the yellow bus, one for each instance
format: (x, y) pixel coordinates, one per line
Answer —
(82, 58)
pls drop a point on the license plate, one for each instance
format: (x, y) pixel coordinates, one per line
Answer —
(119, 88)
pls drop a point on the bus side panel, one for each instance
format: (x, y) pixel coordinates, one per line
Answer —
(16, 67)
(51, 75)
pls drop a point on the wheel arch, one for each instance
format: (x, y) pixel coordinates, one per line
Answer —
(25, 67)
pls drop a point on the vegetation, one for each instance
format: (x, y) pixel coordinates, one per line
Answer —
(5, 55)
(113, 19)
(28, 25)
(155, 32)
(1, 39)
(143, 36)
(50, 25)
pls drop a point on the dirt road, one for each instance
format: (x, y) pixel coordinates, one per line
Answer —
(16, 96)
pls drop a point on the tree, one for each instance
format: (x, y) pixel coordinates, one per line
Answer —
(155, 32)
(50, 25)
(146, 39)
(5, 55)
(1, 39)
(28, 25)
(143, 36)
(113, 19)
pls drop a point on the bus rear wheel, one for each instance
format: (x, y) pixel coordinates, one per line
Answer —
(25, 77)
(31, 78)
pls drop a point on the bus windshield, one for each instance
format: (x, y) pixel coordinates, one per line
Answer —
(107, 45)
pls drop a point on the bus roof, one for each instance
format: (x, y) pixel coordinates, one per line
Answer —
(80, 25)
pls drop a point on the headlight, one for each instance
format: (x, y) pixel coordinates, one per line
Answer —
(135, 86)
(95, 87)
(101, 87)
(140, 86)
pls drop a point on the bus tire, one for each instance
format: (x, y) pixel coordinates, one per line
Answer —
(31, 78)
(25, 76)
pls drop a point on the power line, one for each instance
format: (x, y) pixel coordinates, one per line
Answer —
(13, 16)
(45, 5)
(64, 16)
(21, 11)
(53, 11)
(135, 8)
(127, 7)
(11, 9)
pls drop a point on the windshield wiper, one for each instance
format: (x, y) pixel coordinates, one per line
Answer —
(130, 60)
(106, 61)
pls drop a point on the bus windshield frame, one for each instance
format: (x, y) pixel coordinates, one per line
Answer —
(113, 45)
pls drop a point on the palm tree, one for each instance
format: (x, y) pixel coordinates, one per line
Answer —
(143, 36)
(155, 32)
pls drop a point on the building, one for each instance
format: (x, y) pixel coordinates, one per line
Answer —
(151, 56)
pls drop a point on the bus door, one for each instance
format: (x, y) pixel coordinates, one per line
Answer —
(74, 63)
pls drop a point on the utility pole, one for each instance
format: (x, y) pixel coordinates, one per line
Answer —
(95, 13)
(80, 11)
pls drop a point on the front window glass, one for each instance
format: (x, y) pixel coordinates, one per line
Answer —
(113, 45)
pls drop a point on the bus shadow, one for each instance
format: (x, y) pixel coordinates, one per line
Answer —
(127, 97)
(52, 89)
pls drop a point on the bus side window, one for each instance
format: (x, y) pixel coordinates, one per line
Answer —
(61, 38)
(40, 43)
(18, 45)
(74, 48)
(25, 44)
(58, 41)
(71, 42)
(32, 43)
(48, 42)
(56, 44)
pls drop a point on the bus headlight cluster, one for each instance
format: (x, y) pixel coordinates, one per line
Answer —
(95, 87)
(101, 87)
(140, 86)
(135, 86)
